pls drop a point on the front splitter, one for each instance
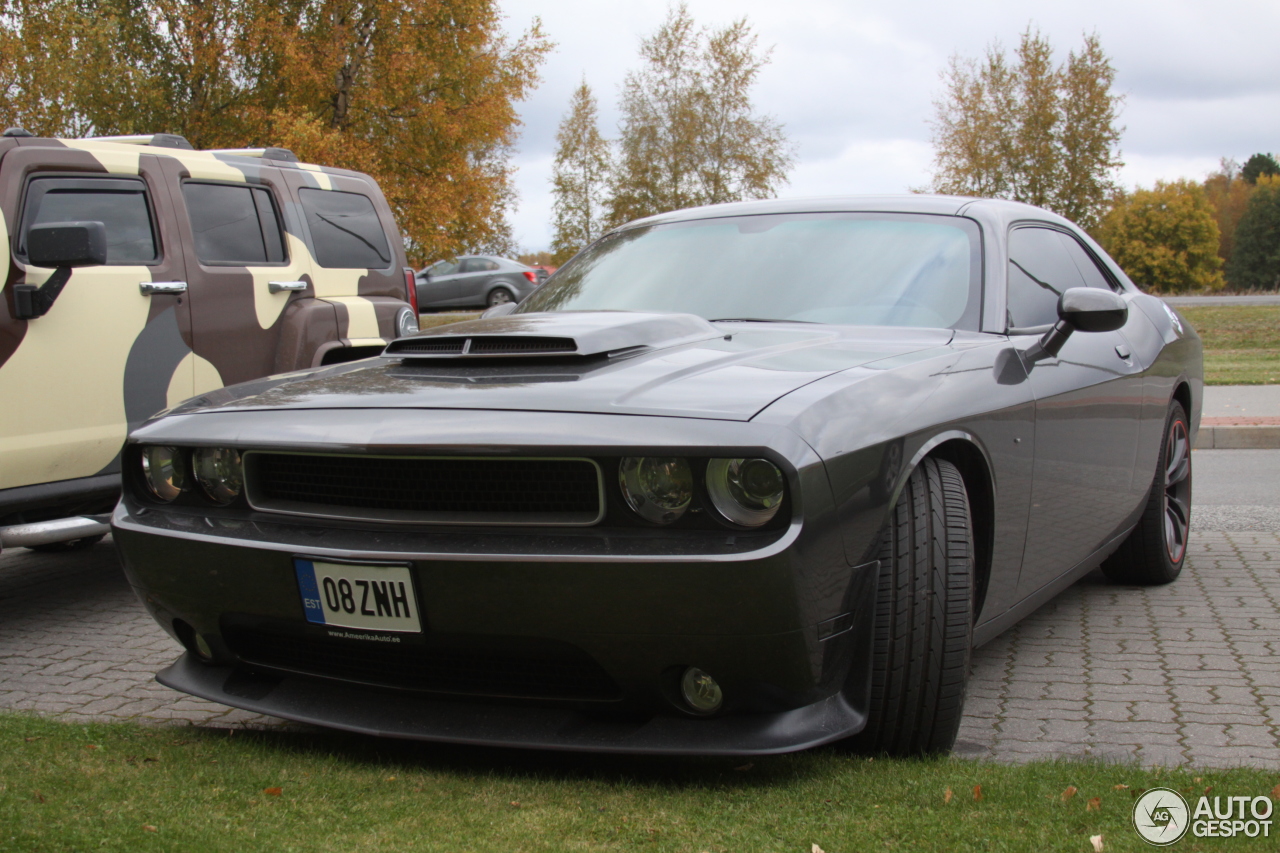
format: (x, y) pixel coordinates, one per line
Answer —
(354, 709)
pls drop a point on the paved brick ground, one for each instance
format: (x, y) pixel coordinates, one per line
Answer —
(1184, 674)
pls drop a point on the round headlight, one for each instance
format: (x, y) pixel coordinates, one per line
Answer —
(219, 473)
(658, 488)
(406, 323)
(745, 491)
(164, 470)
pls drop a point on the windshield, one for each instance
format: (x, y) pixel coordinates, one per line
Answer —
(866, 269)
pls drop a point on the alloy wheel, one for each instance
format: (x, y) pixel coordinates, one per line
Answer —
(1177, 490)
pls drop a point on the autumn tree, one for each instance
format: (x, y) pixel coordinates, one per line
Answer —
(1228, 194)
(1025, 129)
(1255, 263)
(1259, 165)
(421, 94)
(689, 133)
(1165, 238)
(580, 177)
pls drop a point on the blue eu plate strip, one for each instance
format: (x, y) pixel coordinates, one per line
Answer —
(310, 590)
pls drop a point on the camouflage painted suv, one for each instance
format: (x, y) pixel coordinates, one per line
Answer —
(139, 272)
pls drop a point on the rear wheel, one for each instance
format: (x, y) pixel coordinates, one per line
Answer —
(500, 296)
(1156, 549)
(924, 617)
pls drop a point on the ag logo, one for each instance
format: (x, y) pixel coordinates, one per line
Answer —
(1161, 816)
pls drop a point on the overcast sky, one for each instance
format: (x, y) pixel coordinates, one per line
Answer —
(853, 82)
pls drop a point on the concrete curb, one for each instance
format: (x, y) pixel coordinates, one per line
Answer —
(1242, 437)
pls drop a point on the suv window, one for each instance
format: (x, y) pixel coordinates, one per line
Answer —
(234, 224)
(118, 203)
(1039, 271)
(345, 230)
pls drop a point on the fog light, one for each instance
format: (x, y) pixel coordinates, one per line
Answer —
(219, 472)
(700, 691)
(164, 471)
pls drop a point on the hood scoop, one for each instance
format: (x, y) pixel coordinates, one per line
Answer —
(567, 335)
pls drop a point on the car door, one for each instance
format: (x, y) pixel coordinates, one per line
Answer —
(241, 266)
(1088, 405)
(440, 286)
(473, 279)
(114, 347)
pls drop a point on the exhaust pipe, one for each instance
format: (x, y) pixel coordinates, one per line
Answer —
(56, 530)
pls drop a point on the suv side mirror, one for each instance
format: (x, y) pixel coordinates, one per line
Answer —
(1088, 309)
(62, 245)
(67, 244)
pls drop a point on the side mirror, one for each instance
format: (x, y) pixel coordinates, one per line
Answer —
(67, 244)
(63, 245)
(1089, 309)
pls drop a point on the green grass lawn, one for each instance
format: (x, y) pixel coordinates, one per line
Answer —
(1241, 343)
(122, 787)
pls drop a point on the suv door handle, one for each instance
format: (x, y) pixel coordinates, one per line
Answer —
(150, 288)
(277, 286)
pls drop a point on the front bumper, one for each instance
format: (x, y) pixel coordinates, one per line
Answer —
(393, 715)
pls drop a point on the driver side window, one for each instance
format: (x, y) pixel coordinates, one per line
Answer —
(1040, 270)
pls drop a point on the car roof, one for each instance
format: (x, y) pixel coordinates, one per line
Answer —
(947, 205)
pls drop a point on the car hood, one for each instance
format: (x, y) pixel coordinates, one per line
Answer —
(600, 362)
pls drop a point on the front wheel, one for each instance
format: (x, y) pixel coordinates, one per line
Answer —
(924, 617)
(1157, 548)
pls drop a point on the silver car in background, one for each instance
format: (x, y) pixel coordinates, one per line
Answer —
(474, 281)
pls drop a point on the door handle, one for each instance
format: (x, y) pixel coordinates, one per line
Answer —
(278, 286)
(150, 288)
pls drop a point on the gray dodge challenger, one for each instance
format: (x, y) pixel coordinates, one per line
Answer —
(742, 479)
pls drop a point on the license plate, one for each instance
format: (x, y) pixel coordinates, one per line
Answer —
(375, 598)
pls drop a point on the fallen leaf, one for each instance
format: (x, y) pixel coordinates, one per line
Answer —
(816, 849)
(1197, 779)
(39, 797)
(149, 828)
(1119, 787)
(391, 778)
(29, 739)
(273, 792)
(1068, 793)
(515, 803)
(1095, 804)
(90, 746)
(1208, 788)
(946, 796)
(1096, 841)
(743, 768)
(977, 793)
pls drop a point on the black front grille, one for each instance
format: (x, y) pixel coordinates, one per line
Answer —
(431, 490)
(500, 667)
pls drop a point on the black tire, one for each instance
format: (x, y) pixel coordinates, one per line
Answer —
(499, 296)
(1156, 550)
(72, 545)
(924, 617)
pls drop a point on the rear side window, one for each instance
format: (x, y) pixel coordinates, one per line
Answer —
(120, 204)
(345, 230)
(234, 224)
